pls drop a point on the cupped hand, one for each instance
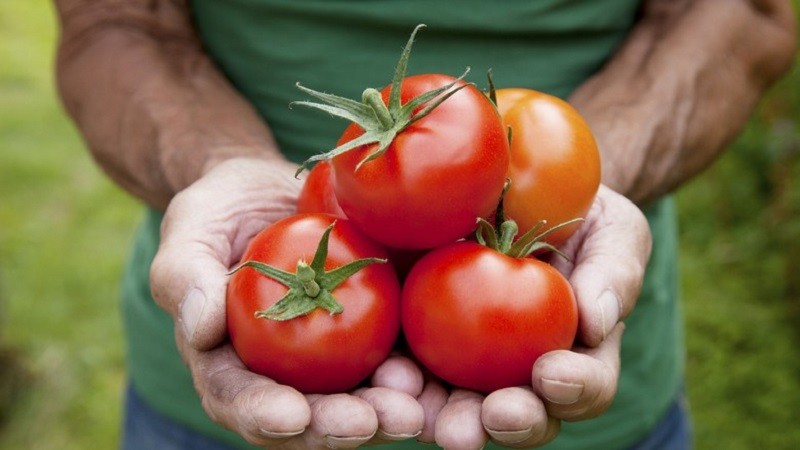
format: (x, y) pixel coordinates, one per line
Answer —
(204, 232)
(608, 256)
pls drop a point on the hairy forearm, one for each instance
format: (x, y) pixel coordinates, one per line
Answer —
(154, 110)
(682, 87)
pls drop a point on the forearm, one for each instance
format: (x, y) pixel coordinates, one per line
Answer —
(681, 88)
(153, 109)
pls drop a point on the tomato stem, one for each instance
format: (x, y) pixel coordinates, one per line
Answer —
(372, 98)
(492, 90)
(306, 276)
(508, 231)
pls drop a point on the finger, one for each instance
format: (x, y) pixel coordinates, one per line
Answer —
(612, 251)
(341, 421)
(459, 425)
(188, 276)
(400, 374)
(399, 415)
(515, 417)
(432, 399)
(255, 407)
(579, 386)
(189, 284)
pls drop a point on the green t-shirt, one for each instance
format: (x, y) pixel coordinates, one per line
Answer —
(343, 46)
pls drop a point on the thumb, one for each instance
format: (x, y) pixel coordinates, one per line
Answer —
(188, 277)
(609, 266)
(190, 286)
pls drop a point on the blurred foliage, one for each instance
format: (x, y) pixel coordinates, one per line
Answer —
(65, 232)
(740, 247)
(64, 235)
(15, 379)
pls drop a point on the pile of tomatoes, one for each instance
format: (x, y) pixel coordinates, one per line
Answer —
(398, 237)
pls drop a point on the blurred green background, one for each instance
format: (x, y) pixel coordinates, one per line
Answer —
(65, 231)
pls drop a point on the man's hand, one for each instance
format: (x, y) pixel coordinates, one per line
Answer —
(608, 256)
(204, 232)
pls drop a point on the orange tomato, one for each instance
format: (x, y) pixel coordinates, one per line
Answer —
(555, 164)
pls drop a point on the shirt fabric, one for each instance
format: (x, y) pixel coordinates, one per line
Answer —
(344, 46)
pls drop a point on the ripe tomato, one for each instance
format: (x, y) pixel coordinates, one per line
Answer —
(421, 161)
(319, 352)
(479, 319)
(435, 179)
(317, 194)
(555, 164)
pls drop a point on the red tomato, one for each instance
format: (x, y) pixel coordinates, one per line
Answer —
(438, 175)
(319, 352)
(555, 163)
(479, 319)
(317, 195)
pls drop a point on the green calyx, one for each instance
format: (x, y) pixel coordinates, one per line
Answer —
(380, 122)
(311, 286)
(503, 236)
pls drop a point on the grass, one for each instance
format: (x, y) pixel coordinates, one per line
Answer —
(740, 225)
(65, 232)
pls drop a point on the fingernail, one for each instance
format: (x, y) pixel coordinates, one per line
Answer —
(560, 392)
(610, 310)
(191, 310)
(510, 437)
(280, 434)
(345, 442)
(396, 436)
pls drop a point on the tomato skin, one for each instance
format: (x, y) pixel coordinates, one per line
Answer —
(479, 319)
(435, 179)
(319, 352)
(555, 164)
(317, 194)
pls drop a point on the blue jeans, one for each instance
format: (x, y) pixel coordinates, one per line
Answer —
(146, 429)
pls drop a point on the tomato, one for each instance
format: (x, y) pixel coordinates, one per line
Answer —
(421, 161)
(479, 319)
(555, 164)
(435, 179)
(323, 351)
(317, 194)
